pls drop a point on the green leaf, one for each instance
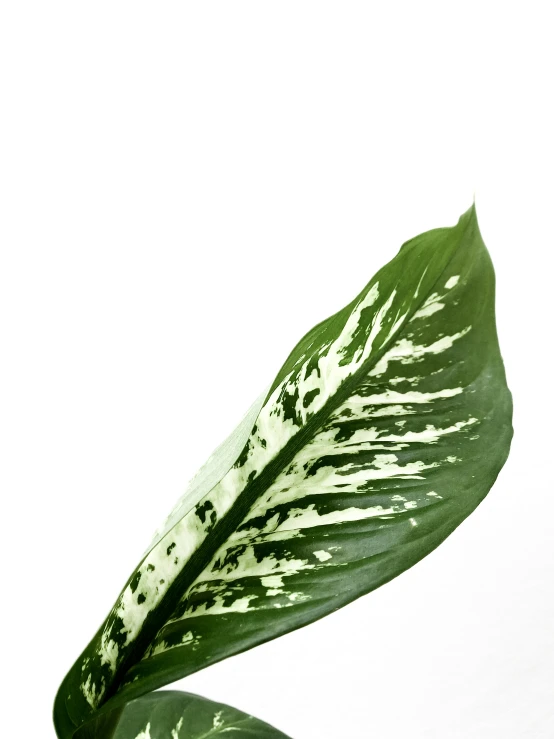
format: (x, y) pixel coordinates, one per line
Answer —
(383, 430)
(170, 714)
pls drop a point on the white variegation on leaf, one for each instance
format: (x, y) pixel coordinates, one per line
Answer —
(170, 714)
(384, 429)
(217, 465)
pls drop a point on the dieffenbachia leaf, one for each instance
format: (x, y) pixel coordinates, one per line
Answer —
(170, 714)
(383, 430)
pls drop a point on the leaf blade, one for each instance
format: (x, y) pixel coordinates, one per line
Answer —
(171, 714)
(368, 404)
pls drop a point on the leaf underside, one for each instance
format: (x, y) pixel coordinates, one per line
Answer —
(386, 426)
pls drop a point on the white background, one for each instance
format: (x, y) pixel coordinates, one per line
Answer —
(185, 189)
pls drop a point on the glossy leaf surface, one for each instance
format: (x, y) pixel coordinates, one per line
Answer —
(171, 714)
(384, 429)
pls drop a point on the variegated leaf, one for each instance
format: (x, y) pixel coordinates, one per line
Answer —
(171, 714)
(383, 430)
